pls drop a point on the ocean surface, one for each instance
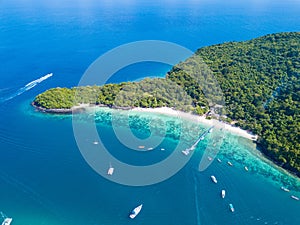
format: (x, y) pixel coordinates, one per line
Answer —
(44, 179)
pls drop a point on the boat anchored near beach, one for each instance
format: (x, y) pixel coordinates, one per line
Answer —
(231, 207)
(229, 163)
(295, 197)
(284, 189)
(110, 170)
(135, 211)
(214, 179)
(186, 151)
(223, 193)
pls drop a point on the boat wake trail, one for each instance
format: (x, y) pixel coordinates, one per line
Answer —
(27, 87)
(196, 200)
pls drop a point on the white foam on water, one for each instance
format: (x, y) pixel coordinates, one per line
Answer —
(27, 87)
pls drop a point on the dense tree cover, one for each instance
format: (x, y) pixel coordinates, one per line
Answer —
(56, 98)
(260, 81)
(153, 93)
(257, 80)
(280, 136)
(147, 93)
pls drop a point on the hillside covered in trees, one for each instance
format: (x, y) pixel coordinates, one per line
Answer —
(259, 80)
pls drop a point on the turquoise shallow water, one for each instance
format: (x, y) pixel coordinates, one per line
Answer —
(52, 184)
(44, 179)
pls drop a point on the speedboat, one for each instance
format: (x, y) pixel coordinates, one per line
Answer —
(229, 163)
(295, 197)
(214, 179)
(231, 207)
(223, 193)
(135, 211)
(110, 171)
(284, 189)
(246, 168)
(7, 221)
(219, 160)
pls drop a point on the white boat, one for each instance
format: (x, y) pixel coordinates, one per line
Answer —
(162, 149)
(186, 152)
(95, 142)
(209, 158)
(214, 179)
(7, 221)
(149, 149)
(295, 197)
(246, 168)
(219, 160)
(110, 171)
(135, 211)
(231, 207)
(229, 163)
(284, 189)
(223, 193)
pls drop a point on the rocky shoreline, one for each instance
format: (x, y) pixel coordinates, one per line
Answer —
(54, 111)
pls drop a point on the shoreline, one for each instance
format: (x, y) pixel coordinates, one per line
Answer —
(173, 113)
(161, 110)
(199, 119)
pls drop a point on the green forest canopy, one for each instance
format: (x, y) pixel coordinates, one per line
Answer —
(260, 87)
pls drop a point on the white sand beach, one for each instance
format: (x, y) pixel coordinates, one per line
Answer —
(199, 119)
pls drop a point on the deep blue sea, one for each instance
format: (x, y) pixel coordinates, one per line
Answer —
(44, 180)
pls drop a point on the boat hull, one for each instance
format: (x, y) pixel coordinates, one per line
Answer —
(135, 211)
(223, 193)
(7, 221)
(214, 179)
(231, 207)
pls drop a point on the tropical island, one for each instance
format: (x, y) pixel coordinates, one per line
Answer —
(260, 83)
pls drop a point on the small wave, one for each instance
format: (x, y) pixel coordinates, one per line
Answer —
(35, 82)
(196, 200)
(29, 191)
(27, 87)
(4, 89)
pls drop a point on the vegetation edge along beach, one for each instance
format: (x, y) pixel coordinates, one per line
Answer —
(259, 78)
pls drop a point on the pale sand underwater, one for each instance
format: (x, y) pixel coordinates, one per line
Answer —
(200, 119)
